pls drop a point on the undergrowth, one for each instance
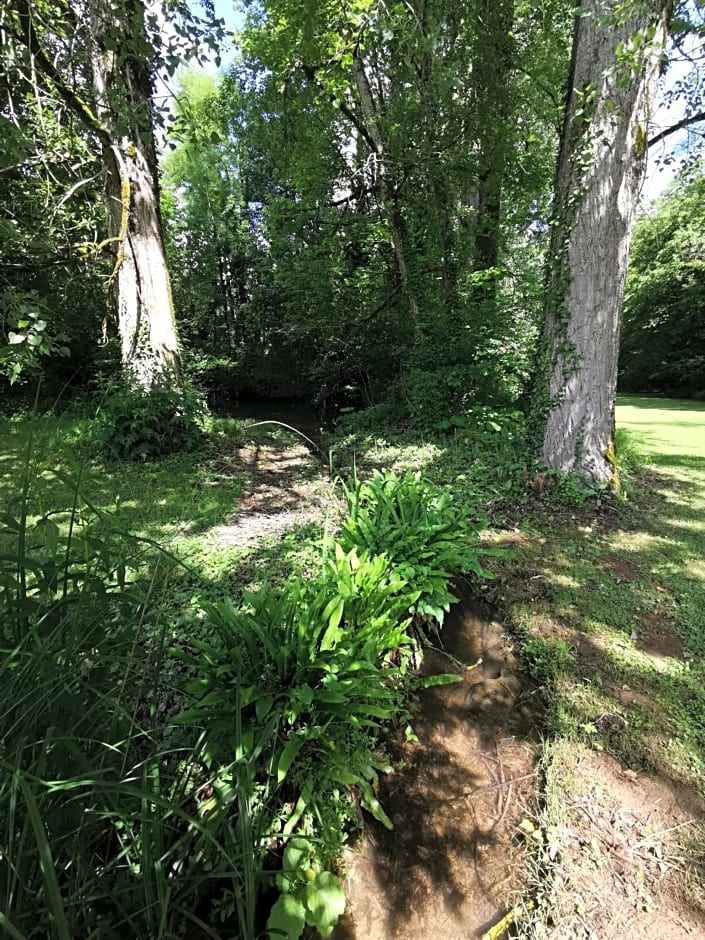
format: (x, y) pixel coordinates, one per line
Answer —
(157, 783)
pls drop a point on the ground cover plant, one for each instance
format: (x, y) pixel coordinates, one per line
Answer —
(163, 753)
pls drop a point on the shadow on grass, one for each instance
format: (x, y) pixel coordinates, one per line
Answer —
(626, 595)
(660, 404)
(680, 461)
(180, 497)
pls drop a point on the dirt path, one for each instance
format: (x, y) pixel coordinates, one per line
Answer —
(286, 486)
(452, 865)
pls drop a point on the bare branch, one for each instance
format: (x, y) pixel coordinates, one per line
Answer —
(685, 122)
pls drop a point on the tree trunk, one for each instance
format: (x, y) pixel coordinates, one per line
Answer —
(615, 66)
(494, 60)
(140, 285)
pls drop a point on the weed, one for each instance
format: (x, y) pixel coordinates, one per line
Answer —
(138, 425)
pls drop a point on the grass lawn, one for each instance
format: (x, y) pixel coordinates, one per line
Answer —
(609, 607)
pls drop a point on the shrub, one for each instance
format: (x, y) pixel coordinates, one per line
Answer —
(138, 425)
(417, 526)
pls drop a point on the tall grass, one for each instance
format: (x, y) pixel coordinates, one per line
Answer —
(157, 789)
(102, 831)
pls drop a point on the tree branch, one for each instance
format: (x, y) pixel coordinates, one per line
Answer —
(28, 37)
(310, 73)
(686, 122)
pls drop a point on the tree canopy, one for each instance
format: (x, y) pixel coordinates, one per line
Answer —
(357, 211)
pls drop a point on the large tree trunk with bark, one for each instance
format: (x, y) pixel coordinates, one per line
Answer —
(617, 54)
(140, 285)
(122, 120)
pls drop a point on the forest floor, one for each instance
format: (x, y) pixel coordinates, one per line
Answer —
(560, 784)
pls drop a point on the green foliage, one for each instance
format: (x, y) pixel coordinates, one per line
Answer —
(288, 244)
(301, 667)
(663, 334)
(134, 424)
(292, 687)
(27, 334)
(290, 694)
(485, 425)
(97, 814)
(546, 660)
(308, 894)
(120, 819)
(416, 524)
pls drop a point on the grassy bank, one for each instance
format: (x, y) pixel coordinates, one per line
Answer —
(608, 605)
(612, 599)
(604, 599)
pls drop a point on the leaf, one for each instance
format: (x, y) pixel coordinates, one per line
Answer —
(287, 756)
(286, 919)
(51, 533)
(372, 805)
(297, 851)
(15, 339)
(52, 891)
(431, 681)
(10, 522)
(325, 902)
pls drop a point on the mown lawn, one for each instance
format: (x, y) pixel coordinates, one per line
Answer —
(611, 598)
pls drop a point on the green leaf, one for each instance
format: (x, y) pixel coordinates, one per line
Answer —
(430, 682)
(325, 902)
(286, 919)
(52, 892)
(298, 850)
(372, 805)
(287, 756)
(9, 929)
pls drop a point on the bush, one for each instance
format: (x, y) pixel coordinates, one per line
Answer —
(137, 425)
(663, 330)
(417, 526)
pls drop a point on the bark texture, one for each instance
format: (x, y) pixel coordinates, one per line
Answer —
(141, 289)
(615, 66)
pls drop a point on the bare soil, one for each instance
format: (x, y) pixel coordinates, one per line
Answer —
(286, 487)
(624, 859)
(452, 865)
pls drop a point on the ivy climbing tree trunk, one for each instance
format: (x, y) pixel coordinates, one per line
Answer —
(120, 116)
(140, 285)
(616, 61)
